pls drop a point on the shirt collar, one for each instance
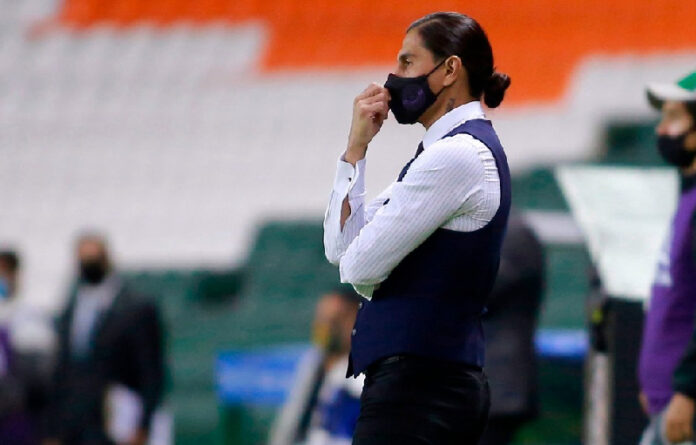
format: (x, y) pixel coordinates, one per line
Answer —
(104, 291)
(451, 119)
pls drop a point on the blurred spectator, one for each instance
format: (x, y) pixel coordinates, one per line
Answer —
(323, 406)
(509, 325)
(24, 359)
(108, 337)
(669, 321)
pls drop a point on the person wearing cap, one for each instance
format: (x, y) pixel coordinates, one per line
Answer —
(667, 361)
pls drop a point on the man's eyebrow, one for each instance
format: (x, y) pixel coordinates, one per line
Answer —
(404, 56)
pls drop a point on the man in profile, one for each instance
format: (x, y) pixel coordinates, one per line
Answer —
(669, 320)
(107, 335)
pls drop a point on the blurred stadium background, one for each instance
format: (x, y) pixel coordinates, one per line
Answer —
(201, 137)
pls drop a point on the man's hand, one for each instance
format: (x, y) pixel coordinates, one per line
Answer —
(679, 419)
(370, 109)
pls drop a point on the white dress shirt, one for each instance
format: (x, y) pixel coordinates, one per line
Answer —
(91, 302)
(453, 184)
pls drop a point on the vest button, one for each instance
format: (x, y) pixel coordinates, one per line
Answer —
(353, 332)
(360, 305)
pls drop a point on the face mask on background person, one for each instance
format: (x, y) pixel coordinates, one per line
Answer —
(673, 151)
(410, 96)
(92, 271)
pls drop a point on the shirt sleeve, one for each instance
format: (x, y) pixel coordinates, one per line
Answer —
(371, 210)
(438, 186)
(349, 181)
(377, 203)
(684, 379)
(693, 240)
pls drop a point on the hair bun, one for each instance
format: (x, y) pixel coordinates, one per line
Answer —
(494, 92)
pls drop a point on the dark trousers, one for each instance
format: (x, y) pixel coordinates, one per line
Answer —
(414, 400)
(502, 429)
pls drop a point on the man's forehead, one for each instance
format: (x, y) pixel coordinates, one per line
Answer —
(91, 247)
(411, 44)
(671, 106)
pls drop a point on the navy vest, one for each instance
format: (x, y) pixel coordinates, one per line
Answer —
(432, 302)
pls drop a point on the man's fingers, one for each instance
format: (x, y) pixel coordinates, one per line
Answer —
(377, 102)
(379, 97)
(371, 90)
(678, 430)
(671, 430)
(686, 430)
(369, 109)
(682, 434)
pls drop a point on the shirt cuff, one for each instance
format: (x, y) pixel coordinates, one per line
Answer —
(349, 180)
(364, 290)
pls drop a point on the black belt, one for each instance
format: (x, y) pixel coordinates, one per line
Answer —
(393, 359)
(416, 358)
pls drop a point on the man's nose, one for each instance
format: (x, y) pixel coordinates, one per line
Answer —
(661, 129)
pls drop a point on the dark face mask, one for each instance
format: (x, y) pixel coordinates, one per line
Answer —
(410, 96)
(92, 272)
(672, 150)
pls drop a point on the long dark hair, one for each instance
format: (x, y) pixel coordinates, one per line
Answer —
(452, 34)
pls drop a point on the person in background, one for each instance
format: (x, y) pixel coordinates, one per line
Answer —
(509, 326)
(107, 335)
(323, 406)
(669, 321)
(24, 359)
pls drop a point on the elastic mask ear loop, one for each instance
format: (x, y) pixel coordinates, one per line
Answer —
(433, 70)
(436, 67)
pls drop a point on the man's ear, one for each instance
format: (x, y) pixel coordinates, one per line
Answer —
(453, 70)
(690, 142)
